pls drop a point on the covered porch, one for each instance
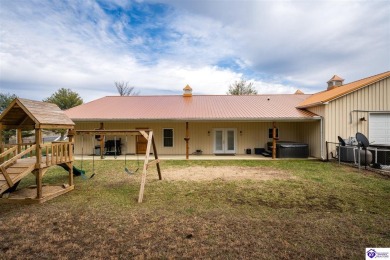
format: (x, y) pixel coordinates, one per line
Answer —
(208, 157)
(209, 137)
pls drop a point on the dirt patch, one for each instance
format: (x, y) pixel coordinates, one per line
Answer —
(226, 173)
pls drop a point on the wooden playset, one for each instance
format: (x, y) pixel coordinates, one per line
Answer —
(20, 159)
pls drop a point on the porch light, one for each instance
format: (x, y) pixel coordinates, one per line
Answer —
(363, 119)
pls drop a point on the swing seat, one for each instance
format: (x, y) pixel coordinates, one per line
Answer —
(129, 172)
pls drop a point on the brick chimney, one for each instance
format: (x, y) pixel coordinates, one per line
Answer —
(335, 82)
(187, 91)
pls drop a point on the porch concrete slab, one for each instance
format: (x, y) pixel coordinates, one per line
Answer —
(133, 157)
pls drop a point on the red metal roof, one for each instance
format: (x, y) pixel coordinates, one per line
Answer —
(202, 107)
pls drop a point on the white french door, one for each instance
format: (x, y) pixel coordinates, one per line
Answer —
(225, 140)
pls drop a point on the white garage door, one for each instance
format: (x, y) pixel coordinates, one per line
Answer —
(379, 128)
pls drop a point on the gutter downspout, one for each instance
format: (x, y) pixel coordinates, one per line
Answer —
(322, 138)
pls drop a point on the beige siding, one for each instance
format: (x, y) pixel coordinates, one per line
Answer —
(310, 133)
(249, 135)
(318, 110)
(341, 121)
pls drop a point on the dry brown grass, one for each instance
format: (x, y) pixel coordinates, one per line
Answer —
(315, 211)
(225, 173)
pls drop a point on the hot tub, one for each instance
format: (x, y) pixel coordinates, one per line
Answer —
(288, 149)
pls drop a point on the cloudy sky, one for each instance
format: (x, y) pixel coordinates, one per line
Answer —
(159, 46)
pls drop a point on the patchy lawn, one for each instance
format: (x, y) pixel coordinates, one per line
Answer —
(205, 209)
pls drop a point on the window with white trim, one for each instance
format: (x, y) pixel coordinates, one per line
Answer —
(168, 137)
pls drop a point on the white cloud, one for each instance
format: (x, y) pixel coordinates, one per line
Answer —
(280, 46)
(301, 39)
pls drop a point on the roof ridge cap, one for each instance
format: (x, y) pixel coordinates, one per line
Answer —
(365, 78)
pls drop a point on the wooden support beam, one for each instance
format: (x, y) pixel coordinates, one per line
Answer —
(156, 158)
(19, 139)
(24, 119)
(47, 156)
(143, 179)
(10, 150)
(111, 132)
(6, 176)
(1, 142)
(70, 178)
(144, 134)
(38, 181)
(101, 139)
(71, 146)
(50, 126)
(11, 127)
(38, 141)
(153, 162)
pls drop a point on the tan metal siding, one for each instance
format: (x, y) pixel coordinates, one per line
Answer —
(249, 135)
(310, 133)
(318, 110)
(338, 113)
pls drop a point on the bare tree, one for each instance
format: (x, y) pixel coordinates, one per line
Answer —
(125, 90)
(241, 87)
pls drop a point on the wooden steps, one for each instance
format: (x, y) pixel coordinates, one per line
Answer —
(16, 172)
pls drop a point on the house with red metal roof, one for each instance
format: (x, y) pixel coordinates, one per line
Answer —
(226, 124)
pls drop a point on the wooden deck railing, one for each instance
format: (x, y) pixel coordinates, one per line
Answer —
(13, 160)
(9, 151)
(51, 153)
(57, 153)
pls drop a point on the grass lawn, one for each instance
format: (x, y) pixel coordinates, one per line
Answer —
(315, 210)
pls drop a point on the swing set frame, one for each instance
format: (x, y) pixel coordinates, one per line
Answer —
(148, 134)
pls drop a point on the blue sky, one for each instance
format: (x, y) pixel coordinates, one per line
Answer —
(160, 46)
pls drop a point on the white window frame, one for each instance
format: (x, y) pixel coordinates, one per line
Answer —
(173, 137)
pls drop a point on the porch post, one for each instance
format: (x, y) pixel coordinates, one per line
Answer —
(187, 139)
(102, 138)
(19, 139)
(274, 138)
(38, 165)
(38, 142)
(71, 155)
